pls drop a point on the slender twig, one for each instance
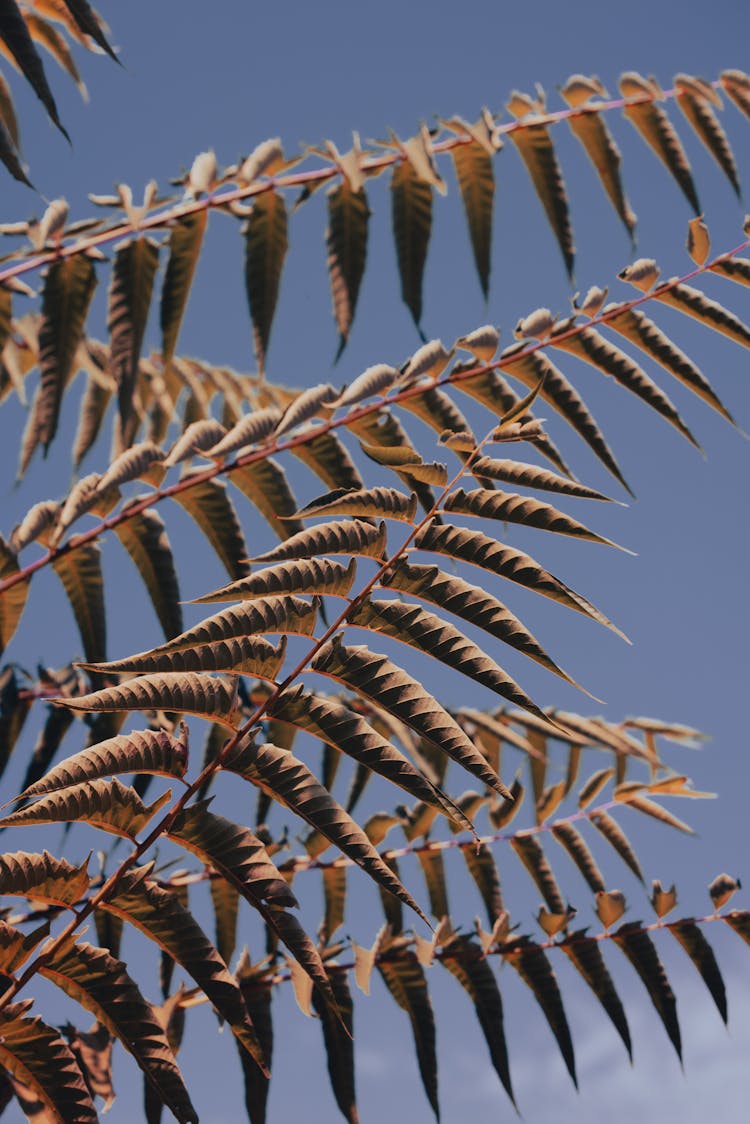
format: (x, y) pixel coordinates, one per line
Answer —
(279, 446)
(471, 953)
(218, 200)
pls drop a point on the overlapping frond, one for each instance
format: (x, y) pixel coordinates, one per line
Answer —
(360, 556)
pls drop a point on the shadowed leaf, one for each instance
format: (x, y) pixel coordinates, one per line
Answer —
(692, 302)
(615, 836)
(234, 851)
(411, 199)
(510, 508)
(420, 629)
(339, 536)
(130, 291)
(532, 965)
(702, 955)
(405, 979)
(257, 995)
(316, 575)
(346, 240)
(101, 984)
(209, 505)
(509, 563)
(17, 38)
(352, 735)
(68, 289)
(590, 346)
(369, 502)
(289, 780)
(377, 678)
(656, 129)
(585, 955)
(534, 143)
(691, 96)
(36, 1054)
(247, 619)
(159, 915)
(80, 571)
(534, 859)
(569, 837)
(463, 960)
(265, 250)
(635, 326)
(266, 485)
(530, 367)
(640, 951)
(185, 243)
(472, 604)
(242, 655)
(476, 180)
(602, 151)
(90, 24)
(144, 536)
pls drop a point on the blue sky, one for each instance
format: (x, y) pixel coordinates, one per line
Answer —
(229, 75)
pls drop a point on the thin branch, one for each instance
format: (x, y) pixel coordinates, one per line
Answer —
(275, 447)
(162, 827)
(220, 200)
(471, 953)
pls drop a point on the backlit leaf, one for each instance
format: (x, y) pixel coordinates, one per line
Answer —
(110, 806)
(43, 877)
(187, 693)
(142, 751)
(12, 600)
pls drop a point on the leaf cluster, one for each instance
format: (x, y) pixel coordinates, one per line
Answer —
(408, 542)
